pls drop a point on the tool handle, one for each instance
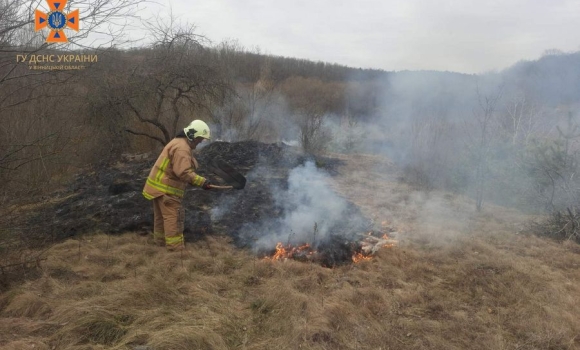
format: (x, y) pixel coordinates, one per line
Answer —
(221, 187)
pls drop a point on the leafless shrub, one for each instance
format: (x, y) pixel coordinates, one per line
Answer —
(560, 225)
(312, 101)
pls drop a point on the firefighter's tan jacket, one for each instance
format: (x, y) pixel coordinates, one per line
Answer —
(173, 170)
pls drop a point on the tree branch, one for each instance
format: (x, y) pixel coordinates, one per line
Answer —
(158, 139)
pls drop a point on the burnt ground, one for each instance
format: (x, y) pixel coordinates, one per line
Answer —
(109, 199)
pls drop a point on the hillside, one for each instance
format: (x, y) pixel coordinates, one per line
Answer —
(454, 280)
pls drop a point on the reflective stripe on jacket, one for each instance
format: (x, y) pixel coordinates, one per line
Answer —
(173, 170)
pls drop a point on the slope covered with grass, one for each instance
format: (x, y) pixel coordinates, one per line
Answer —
(455, 280)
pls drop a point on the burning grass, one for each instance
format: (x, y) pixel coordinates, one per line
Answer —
(332, 252)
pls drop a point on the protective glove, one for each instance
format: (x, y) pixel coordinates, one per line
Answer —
(206, 185)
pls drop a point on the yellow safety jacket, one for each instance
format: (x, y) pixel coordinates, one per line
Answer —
(173, 170)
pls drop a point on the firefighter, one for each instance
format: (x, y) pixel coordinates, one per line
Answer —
(165, 186)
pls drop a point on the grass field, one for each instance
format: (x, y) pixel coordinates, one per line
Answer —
(456, 279)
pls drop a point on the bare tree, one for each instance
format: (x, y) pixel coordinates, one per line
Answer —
(480, 135)
(106, 19)
(522, 119)
(244, 116)
(259, 98)
(32, 132)
(177, 76)
(312, 101)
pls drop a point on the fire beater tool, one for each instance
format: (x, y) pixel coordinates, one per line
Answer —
(231, 176)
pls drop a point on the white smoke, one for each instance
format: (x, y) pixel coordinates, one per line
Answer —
(218, 212)
(310, 209)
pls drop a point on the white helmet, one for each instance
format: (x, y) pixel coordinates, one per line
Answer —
(197, 128)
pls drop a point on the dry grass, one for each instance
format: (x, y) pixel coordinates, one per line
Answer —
(456, 280)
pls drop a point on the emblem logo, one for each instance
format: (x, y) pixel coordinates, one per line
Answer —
(56, 20)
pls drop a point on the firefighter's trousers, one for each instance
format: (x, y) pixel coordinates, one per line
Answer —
(169, 219)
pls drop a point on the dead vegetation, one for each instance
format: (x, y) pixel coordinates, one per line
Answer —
(561, 225)
(456, 280)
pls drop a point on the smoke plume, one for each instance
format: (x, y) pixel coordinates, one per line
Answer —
(310, 212)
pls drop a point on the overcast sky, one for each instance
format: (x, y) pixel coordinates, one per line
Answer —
(469, 36)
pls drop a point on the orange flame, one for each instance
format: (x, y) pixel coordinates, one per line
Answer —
(305, 251)
(289, 251)
(358, 257)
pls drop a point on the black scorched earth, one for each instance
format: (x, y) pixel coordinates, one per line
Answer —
(109, 200)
